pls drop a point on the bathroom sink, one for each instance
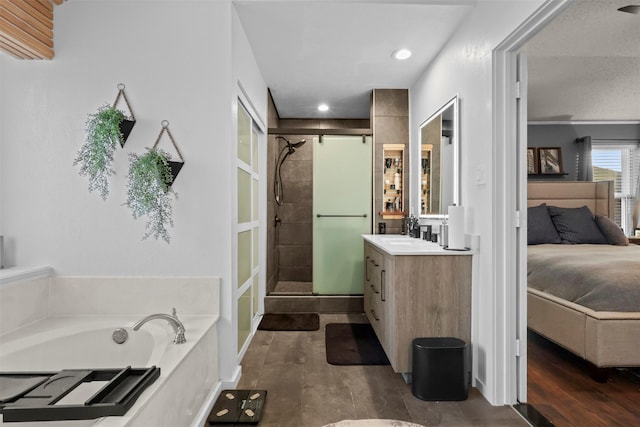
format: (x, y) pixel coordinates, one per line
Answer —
(393, 237)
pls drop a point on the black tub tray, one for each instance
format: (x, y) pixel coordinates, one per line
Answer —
(33, 396)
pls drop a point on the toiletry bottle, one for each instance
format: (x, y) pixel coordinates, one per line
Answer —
(445, 233)
(396, 180)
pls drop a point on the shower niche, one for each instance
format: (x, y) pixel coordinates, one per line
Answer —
(393, 181)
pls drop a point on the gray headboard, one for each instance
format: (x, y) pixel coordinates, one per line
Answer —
(597, 196)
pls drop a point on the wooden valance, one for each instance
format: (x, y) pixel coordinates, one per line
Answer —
(26, 28)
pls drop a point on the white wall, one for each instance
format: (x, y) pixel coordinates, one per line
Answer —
(176, 66)
(464, 67)
(181, 61)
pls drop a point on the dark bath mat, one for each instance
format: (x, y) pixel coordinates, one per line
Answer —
(289, 322)
(353, 344)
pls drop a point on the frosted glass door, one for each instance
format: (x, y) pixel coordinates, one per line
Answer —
(342, 188)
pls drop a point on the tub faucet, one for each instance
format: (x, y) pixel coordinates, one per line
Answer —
(176, 324)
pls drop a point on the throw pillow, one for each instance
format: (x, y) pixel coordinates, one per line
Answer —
(576, 225)
(540, 228)
(611, 231)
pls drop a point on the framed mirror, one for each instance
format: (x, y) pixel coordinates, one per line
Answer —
(438, 184)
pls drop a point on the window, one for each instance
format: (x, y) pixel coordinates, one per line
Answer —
(619, 163)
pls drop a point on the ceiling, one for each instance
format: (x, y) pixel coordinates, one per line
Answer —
(582, 66)
(336, 52)
(585, 65)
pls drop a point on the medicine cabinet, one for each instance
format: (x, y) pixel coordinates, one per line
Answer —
(393, 180)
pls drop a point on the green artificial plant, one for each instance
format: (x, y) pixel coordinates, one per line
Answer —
(149, 191)
(96, 154)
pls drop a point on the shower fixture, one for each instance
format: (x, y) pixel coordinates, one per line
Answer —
(286, 151)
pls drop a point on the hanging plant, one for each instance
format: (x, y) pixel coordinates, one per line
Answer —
(96, 154)
(149, 191)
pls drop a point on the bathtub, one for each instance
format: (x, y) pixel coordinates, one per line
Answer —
(189, 371)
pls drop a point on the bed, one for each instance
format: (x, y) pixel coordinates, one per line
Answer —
(600, 323)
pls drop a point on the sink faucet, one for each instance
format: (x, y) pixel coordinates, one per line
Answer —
(176, 324)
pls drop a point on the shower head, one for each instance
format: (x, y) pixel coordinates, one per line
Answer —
(299, 143)
(290, 146)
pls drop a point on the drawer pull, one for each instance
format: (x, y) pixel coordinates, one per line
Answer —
(366, 272)
(374, 289)
(373, 313)
(375, 264)
(383, 275)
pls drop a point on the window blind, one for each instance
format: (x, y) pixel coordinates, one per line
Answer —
(620, 162)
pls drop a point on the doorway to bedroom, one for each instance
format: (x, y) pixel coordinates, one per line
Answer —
(576, 90)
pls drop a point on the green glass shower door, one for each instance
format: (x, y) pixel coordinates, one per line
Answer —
(342, 188)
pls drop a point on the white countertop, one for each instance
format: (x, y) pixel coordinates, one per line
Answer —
(397, 244)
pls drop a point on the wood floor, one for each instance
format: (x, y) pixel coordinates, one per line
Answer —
(559, 386)
(303, 390)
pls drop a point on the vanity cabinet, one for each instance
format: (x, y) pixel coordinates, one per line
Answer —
(412, 296)
(374, 293)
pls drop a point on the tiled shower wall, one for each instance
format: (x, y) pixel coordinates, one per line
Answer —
(295, 230)
(272, 231)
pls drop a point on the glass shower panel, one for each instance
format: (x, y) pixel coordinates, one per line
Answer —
(342, 191)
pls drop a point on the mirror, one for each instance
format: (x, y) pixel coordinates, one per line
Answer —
(438, 168)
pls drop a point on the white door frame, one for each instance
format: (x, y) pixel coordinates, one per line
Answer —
(510, 195)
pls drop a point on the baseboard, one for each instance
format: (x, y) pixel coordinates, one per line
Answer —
(205, 409)
(234, 380)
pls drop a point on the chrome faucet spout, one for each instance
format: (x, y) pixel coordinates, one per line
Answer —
(175, 323)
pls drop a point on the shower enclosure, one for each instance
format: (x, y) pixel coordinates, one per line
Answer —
(310, 254)
(341, 212)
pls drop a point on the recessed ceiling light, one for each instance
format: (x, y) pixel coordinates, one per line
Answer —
(323, 107)
(401, 54)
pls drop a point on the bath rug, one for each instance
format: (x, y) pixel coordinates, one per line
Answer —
(353, 344)
(289, 322)
(238, 406)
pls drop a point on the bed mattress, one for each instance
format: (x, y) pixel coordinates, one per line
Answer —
(599, 277)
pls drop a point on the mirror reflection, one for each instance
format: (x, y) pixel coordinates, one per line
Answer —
(439, 161)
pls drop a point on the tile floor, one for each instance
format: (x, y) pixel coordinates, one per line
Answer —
(304, 390)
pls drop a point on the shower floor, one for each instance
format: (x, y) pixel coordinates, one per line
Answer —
(293, 288)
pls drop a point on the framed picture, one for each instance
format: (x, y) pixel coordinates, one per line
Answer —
(550, 160)
(532, 160)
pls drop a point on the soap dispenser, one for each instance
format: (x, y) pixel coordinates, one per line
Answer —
(444, 234)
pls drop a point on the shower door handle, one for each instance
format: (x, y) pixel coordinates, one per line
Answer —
(341, 216)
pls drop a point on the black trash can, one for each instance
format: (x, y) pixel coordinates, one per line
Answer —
(440, 369)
